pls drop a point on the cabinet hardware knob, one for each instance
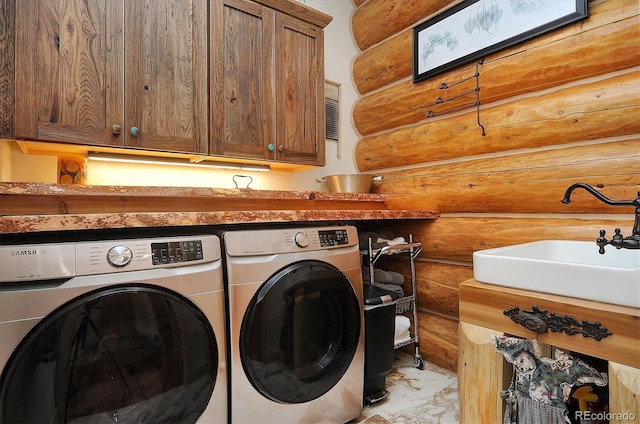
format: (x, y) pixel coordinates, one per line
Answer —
(116, 130)
(281, 148)
(530, 322)
(135, 131)
(271, 147)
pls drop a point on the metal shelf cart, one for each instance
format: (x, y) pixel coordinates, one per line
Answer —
(408, 302)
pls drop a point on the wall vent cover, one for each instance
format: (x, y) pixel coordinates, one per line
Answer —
(332, 110)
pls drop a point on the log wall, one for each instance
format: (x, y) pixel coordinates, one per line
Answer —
(558, 109)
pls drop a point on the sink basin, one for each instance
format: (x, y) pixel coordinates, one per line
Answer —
(564, 267)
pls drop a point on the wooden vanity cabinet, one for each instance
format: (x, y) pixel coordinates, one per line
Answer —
(112, 73)
(483, 372)
(267, 84)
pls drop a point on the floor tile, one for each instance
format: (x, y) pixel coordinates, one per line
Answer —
(415, 396)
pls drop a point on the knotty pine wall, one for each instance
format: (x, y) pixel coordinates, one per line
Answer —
(561, 108)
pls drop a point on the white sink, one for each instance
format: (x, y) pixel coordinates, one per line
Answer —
(564, 267)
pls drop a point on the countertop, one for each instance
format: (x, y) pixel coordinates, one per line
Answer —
(36, 207)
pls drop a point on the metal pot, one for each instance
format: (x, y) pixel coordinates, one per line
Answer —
(349, 183)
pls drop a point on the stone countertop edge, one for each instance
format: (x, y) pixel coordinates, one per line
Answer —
(264, 213)
(47, 189)
(68, 222)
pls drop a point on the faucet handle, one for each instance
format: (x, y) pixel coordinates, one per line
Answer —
(602, 241)
(617, 236)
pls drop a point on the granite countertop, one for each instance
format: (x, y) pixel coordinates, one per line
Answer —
(35, 207)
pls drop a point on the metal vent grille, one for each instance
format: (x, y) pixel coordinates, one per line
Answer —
(332, 110)
(332, 122)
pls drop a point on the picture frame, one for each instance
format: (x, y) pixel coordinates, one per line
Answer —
(474, 29)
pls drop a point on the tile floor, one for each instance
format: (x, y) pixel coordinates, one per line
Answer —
(415, 396)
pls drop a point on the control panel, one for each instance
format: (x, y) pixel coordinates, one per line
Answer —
(336, 237)
(176, 252)
(63, 260)
(289, 240)
(141, 254)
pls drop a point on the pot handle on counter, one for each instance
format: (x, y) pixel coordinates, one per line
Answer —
(242, 176)
(376, 178)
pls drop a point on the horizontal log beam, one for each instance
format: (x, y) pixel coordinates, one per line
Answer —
(376, 20)
(536, 65)
(436, 283)
(588, 111)
(529, 182)
(438, 340)
(385, 63)
(391, 60)
(456, 238)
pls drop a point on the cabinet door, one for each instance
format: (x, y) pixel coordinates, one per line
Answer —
(242, 100)
(166, 75)
(69, 75)
(299, 91)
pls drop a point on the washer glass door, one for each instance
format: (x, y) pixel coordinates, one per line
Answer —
(300, 332)
(131, 353)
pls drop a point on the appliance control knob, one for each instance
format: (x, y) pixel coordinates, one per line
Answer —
(119, 256)
(302, 239)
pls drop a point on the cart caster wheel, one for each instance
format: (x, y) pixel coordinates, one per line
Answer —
(418, 362)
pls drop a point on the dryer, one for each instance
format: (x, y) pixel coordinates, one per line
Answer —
(296, 324)
(128, 330)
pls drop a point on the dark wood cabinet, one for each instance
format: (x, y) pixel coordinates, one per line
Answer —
(241, 79)
(112, 73)
(299, 91)
(267, 84)
(231, 79)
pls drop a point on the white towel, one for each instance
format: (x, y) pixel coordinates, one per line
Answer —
(402, 325)
(401, 338)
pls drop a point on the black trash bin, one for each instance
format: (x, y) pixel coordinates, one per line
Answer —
(379, 320)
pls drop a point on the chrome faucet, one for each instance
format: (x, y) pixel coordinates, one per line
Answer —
(618, 240)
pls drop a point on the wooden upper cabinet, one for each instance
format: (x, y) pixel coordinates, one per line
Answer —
(113, 73)
(300, 91)
(242, 73)
(267, 84)
(68, 70)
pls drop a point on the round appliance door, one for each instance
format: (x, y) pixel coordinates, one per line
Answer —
(300, 332)
(122, 354)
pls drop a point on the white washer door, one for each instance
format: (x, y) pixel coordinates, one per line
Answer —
(129, 353)
(300, 332)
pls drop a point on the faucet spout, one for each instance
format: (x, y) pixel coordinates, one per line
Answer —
(618, 240)
(598, 195)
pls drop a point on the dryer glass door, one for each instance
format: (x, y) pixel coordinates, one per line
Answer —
(131, 353)
(300, 332)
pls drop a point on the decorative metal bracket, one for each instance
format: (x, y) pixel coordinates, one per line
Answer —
(538, 321)
(476, 90)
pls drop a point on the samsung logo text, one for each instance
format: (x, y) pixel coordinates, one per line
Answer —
(28, 252)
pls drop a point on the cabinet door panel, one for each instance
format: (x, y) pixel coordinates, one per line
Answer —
(68, 70)
(242, 108)
(300, 91)
(166, 73)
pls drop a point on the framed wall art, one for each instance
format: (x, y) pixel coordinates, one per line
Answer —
(476, 28)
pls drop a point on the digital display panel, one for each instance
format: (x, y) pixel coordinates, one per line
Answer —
(176, 252)
(333, 237)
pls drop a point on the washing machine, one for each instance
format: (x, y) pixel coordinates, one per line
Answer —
(296, 324)
(122, 331)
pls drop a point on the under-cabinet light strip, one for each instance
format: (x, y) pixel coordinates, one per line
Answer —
(111, 157)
